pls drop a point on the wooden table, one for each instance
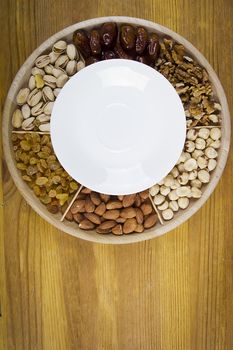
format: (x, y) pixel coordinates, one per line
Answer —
(171, 293)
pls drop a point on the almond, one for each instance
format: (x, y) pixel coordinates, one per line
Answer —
(69, 216)
(144, 194)
(138, 201)
(111, 214)
(128, 200)
(78, 217)
(121, 220)
(103, 231)
(86, 225)
(139, 216)
(114, 204)
(150, 221)
(130, 225)
(78, 206)
(95, 198)
(105, 197)
(107, 225)
(117, 230)
(93, 218)
(139, 228)
(89, 206)
(100, 210)
(146, 208)
(128, 213)
(86, 190)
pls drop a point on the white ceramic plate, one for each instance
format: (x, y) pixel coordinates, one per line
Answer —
(118, 127)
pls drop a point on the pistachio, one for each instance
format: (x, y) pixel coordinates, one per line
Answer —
(71, 51)
(32, 82)
(26, 112)
(71, 67)
(34, 97)
(22, 96)
(62, 61)
(61, 80)
(56, 91)
(48, 108)
(28, 123)
(42, 118)
(17, 118)
(80, 65)
(59, 47)
(37, 109)
(44, 127)
(36, 70)
(48, 94)
(53, 56)
(42, 61)
(49, 69)
(57, 72)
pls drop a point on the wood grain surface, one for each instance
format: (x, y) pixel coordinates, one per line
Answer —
(171, 293)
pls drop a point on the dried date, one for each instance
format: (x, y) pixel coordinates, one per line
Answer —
(141, 40)
(81, 41)
(108, 33)
(127, 37)
(95, 44)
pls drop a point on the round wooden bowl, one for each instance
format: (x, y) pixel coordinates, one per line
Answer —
(21, 79)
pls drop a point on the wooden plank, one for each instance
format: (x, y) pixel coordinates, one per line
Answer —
(173, 292)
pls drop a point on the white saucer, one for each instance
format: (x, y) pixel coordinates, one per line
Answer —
(118, 127)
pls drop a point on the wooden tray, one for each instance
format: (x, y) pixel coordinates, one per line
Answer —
(72, 228)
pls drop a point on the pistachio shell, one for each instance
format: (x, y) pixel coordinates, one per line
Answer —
(48, 69)
(59, 46)
(61, 80)
(43, 118)
(17, 119)
(53, 56)
(27, 123)
(34, 97)
(56, 91)
(71, 51)
(36, 70)
(44, 127)
(48, 108)
(48, 94)
(22, 96)
(80, 65)
(57, 72)
(25, 111)
(37, 109)
(71, 67)
(32, 82)
(62, 61)
(42, 61)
